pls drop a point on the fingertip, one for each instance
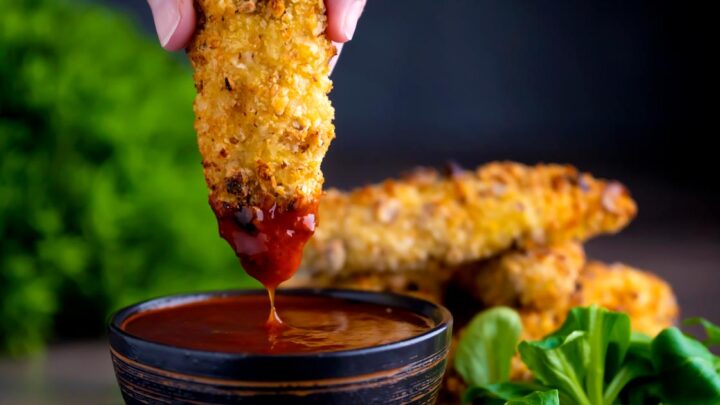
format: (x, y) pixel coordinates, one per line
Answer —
(174, 22)
(343, 16)
(335, 12)
(185, 28)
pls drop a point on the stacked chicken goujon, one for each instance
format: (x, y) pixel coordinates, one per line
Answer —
(504, 234)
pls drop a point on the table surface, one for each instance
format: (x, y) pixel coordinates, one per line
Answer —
(81, 372)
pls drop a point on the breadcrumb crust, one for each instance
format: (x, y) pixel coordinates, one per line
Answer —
(263, 117)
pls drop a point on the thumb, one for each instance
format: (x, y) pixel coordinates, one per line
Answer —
(343, 17)
(174, 22)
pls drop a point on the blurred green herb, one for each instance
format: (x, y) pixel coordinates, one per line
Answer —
(102, 201)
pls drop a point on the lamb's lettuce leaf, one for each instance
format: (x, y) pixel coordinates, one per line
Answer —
(501, 392)
(487, 346)
(537, 398)
(594, 358)
(686, 369)
(575, 359)
(712, 331)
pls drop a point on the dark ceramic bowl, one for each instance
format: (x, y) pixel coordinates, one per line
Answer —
(407, 371)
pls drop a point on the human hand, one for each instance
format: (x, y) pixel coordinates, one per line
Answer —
(175, 21)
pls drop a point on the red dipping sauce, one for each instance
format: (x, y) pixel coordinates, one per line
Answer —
(312, 324)
(269, 242)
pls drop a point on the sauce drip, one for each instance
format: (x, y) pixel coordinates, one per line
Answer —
(236, 325)
(269, 242)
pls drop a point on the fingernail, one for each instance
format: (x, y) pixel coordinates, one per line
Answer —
(352, 15)
(166, 14)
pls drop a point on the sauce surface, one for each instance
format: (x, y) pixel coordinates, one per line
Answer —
(311, 324)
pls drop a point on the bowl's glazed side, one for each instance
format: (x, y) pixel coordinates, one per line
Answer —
(416, 383)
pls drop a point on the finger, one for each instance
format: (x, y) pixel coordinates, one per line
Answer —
(174, 22)
(343, 17)
(333, 61)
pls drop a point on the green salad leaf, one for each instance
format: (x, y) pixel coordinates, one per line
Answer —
(593, 358)
(640, 345)
(575, 358)
(643, 391)
(632, 369)
(500, 393)
(686, 369)
(562, 362)
(537, 398)
(486, 348)
(712, 331)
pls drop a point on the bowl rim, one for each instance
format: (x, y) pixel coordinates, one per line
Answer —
(212, 363)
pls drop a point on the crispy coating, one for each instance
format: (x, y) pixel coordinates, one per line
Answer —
(540, 278)
(645, 297)
(263, 118)
(428, 220)
(524, 280)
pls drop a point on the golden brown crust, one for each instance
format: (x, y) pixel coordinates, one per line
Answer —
(645, 297)
(539, 278)
(263, 118)
(427, 220)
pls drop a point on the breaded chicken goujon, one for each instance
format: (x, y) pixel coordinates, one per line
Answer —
(263, 123)
(428, 220)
